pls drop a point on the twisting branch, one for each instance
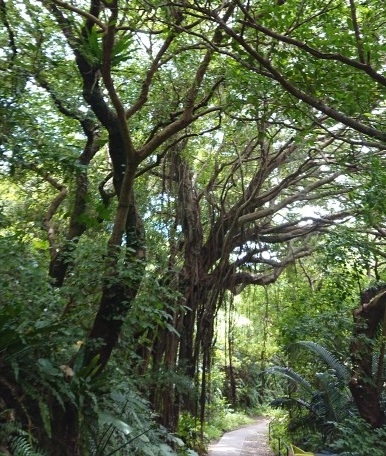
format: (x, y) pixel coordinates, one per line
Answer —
(305, 97)
(360, 65)
(143, 96)
(11, 35)
(90, 17)
(358, 38)
(42, 81)
(108, 47)
(52, 208)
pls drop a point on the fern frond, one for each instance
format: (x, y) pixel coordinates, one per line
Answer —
(17, 441)
(335, 402)
(341, 371)
(20, 446)
(291, 375)
(290, 403)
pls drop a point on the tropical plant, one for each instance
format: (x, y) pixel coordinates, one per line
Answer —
(159, 157)
(35, 339)
(16, 442)
(355, 437)
(190, 431)
(319, 404)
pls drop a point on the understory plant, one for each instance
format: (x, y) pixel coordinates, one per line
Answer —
(41, 372)
(315, 407)
(113, 417)
(355, 437)
(15, 441)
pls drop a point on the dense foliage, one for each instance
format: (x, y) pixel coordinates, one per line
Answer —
(187, 188)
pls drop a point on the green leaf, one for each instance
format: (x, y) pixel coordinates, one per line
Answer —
(292, 375)
(165, 450)
(105, 418)
(342, 372)
(46, 366)
(45, 415)
(144, 438)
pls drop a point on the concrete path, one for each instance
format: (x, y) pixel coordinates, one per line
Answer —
(247, 441)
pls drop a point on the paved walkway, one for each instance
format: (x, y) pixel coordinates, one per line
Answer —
(247, 441)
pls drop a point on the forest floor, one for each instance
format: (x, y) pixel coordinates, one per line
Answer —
(251, 440)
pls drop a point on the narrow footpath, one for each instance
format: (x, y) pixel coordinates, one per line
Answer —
(247, 441)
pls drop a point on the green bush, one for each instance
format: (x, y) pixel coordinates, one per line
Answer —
(41, 372)
(355, 437)
(189, 430)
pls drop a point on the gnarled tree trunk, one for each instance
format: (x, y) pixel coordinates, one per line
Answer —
(365, 383)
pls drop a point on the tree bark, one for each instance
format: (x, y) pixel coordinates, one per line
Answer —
(60, 263)
(65, 439)
(363, 383)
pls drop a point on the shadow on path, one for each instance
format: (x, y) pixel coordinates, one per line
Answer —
(248, 441)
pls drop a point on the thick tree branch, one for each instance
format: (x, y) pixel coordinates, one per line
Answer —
(291, 88)
(87, 15)
(7, 25)
(358, 38)
(53, 207)
(360, 65)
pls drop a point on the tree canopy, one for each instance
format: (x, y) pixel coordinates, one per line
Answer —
(159, 158)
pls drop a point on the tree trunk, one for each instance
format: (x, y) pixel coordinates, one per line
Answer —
(65, 439)
(119, 290)
(363, 384)
(61, 261)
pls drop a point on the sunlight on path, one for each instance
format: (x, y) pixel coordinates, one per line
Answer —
(247, 441)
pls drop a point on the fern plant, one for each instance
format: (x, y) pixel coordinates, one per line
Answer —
(316, 405)
(16, 442)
